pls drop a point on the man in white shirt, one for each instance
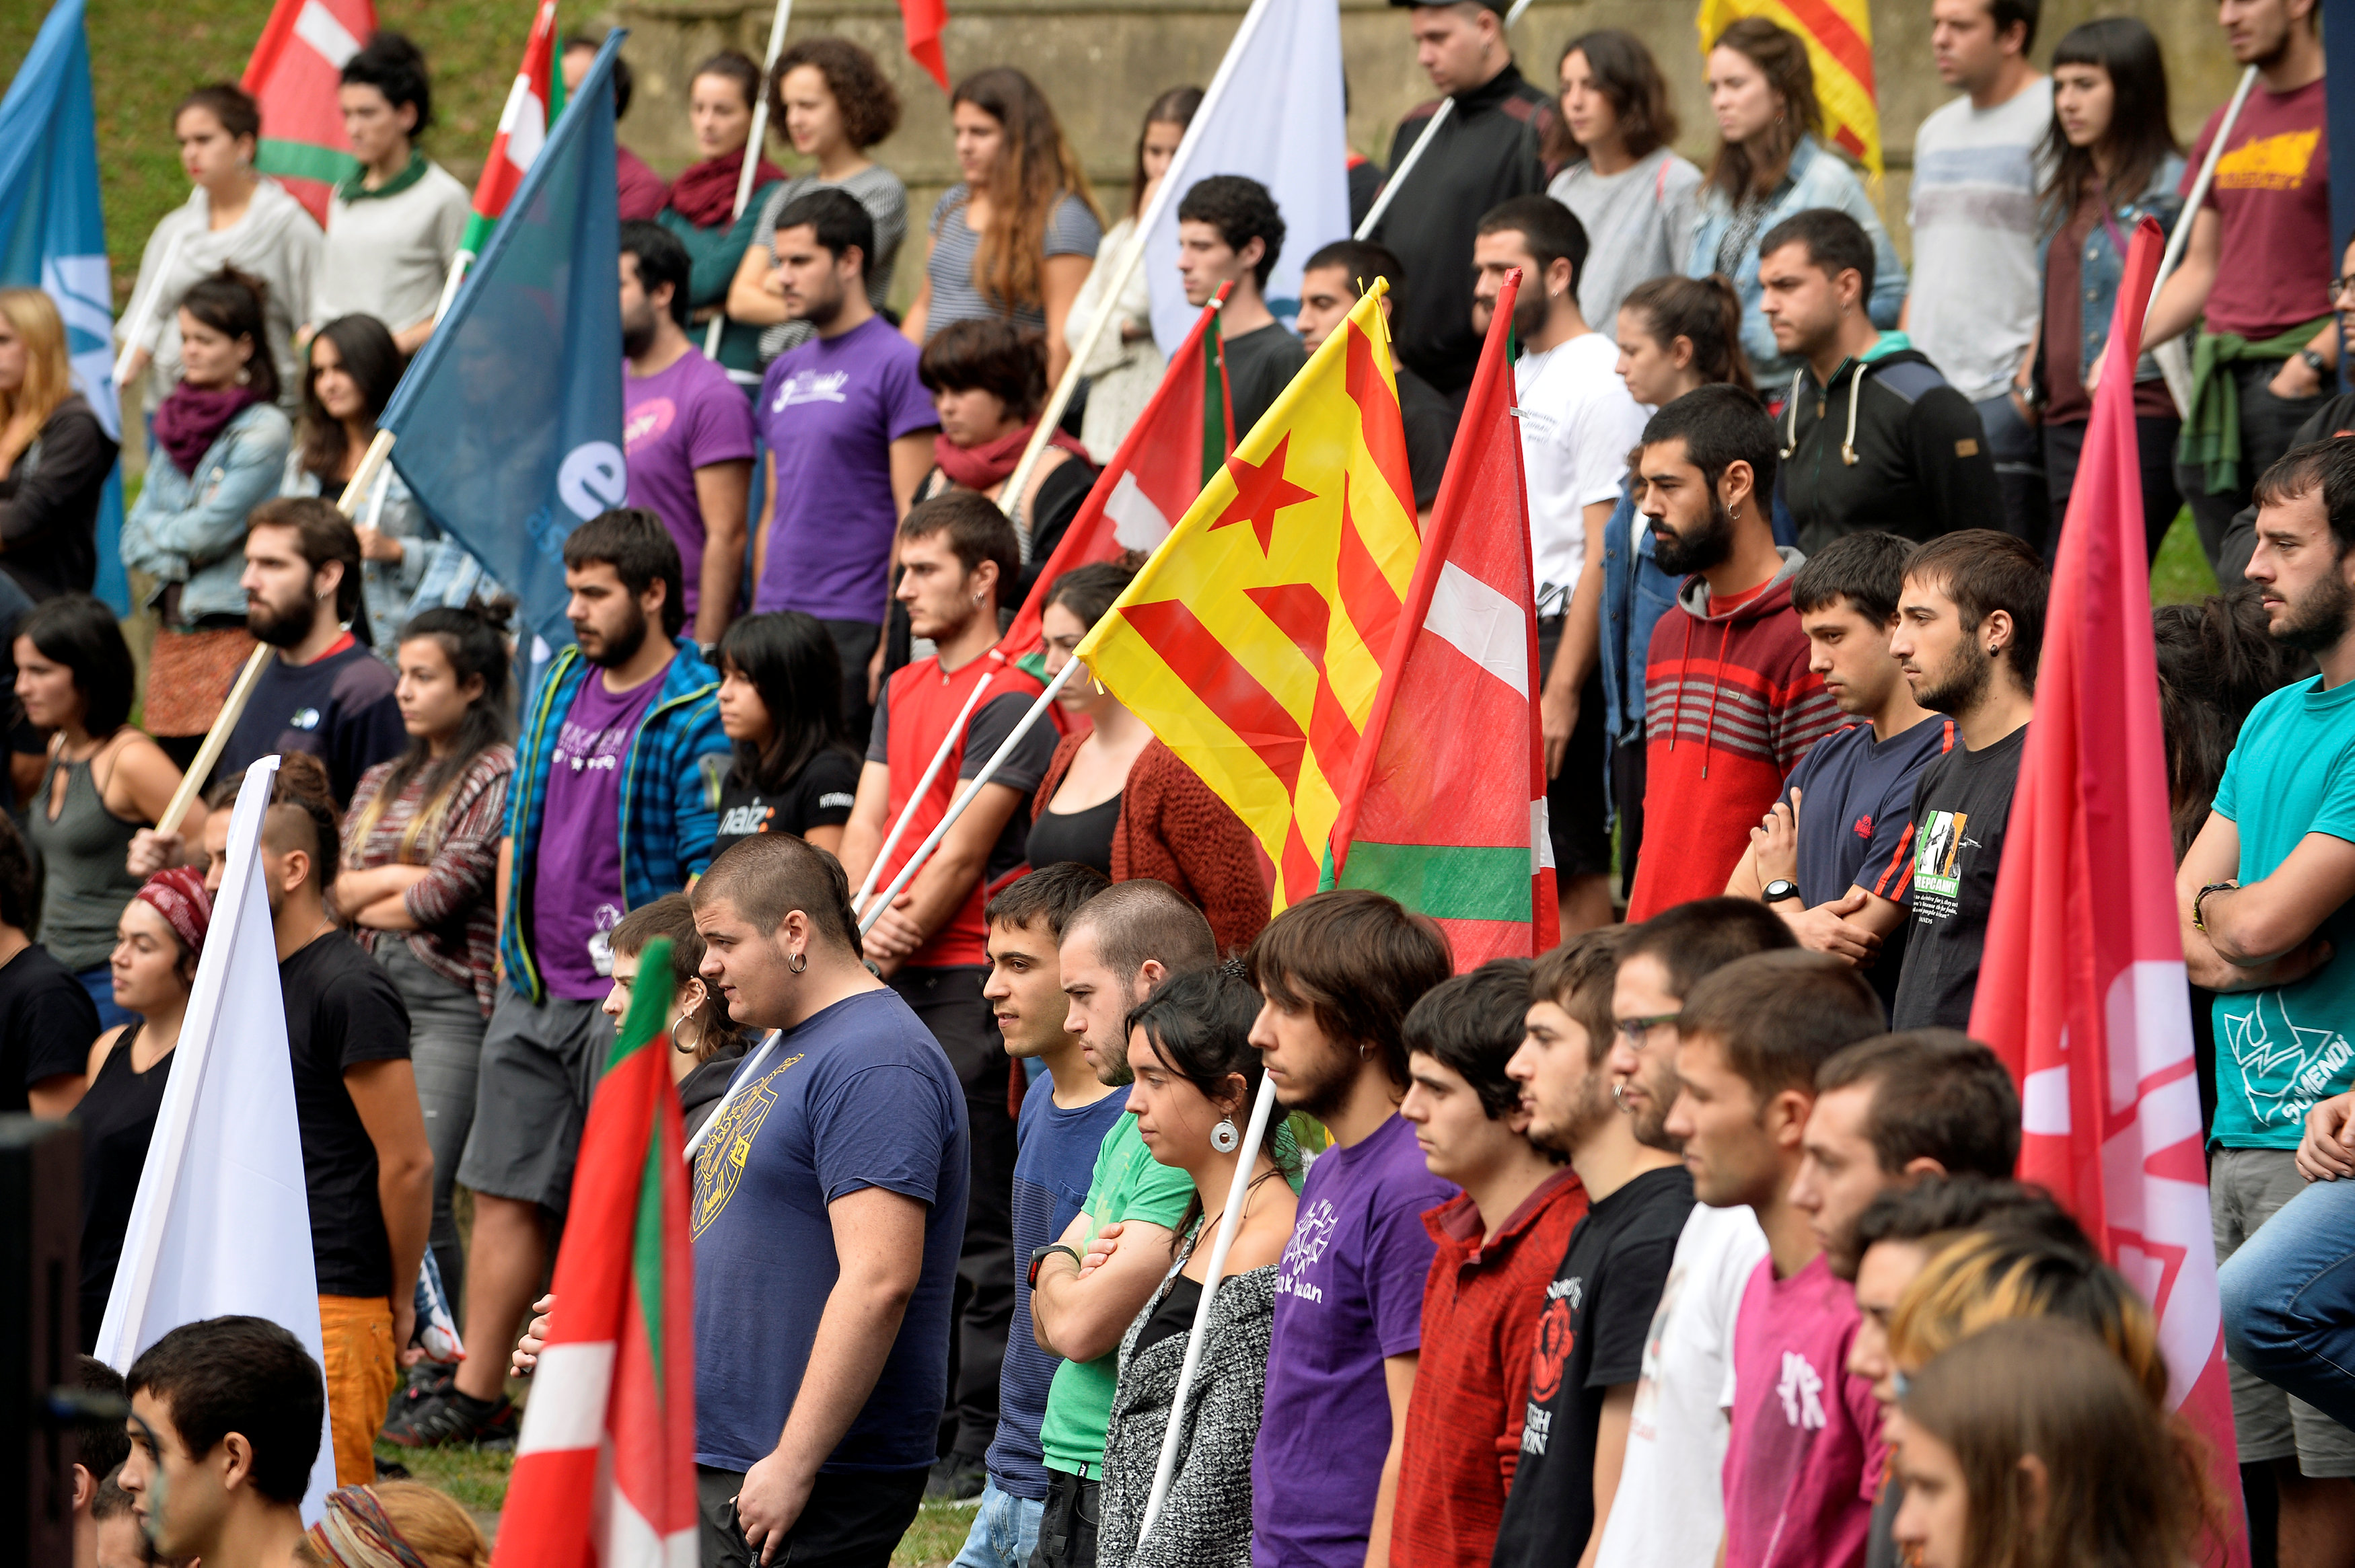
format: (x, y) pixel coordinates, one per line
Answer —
(1978, 282)
(1578, 425)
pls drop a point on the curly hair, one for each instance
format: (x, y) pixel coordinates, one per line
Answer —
(868, 103)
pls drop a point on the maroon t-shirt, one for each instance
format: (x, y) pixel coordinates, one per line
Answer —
(2272, 193)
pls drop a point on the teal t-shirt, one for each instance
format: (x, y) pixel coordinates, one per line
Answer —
(2278, 1052)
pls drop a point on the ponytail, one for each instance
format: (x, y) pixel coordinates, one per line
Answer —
(1704, 311)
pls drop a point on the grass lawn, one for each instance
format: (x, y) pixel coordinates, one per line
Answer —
(2180, 574)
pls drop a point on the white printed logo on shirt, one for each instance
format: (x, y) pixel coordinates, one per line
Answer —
(811, 386)
(1802, 1392)
(1310, 1237)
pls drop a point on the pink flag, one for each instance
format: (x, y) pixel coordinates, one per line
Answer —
(2082, 987)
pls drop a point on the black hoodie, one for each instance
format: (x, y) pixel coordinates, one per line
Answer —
(1912, 460)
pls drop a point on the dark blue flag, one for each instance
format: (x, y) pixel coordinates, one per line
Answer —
(509, 425)
(53, 238)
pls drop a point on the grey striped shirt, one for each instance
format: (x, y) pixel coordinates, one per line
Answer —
(1071, 230)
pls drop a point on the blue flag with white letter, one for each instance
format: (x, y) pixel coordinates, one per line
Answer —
(53, 238)
(509, 425)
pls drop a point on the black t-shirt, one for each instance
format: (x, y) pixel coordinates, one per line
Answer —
(1590, 1332)
(1960, 809)
(340, 708)
(1429, 421)
(47, 1024)
(341, 1011)
(1260, 364)
(819, 796)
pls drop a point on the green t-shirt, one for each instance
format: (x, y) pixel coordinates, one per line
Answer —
(2279, 1051)
(1128, 1184)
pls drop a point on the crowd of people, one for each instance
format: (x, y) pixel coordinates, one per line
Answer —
(1695, 1238)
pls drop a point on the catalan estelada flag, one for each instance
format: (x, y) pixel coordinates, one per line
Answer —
(295, 74)
(604, 1469)
(1252, 643)
(1445, 809)
(1838, 35)
(523, 129)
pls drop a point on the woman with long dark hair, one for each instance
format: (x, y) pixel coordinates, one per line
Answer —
(1013, 239)
(407, 565)
(1636, 197)
(780, 699)
(2114, 162)
(720, 98)
(1196, 1075)
(105, 781)
(419, 862)
(1118, 799)
(1127, 365)
(1771, 163)
(218, 449)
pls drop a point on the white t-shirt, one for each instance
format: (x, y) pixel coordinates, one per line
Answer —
(1670, 1506)
(1977, 288)
(1578, 425)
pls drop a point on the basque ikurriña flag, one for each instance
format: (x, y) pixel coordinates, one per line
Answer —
(2082, 986)
(605, 1470)
(295, 75)
(523, 129)
(1436, 814)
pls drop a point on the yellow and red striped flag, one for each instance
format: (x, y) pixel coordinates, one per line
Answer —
(1838, 35)
(1252, 642)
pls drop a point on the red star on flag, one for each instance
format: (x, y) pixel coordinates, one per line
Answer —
(1262, 492)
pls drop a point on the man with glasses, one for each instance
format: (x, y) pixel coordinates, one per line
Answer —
(1669, 1506)
(2335, 419)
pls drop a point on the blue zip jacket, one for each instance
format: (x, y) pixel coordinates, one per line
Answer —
(667, 819)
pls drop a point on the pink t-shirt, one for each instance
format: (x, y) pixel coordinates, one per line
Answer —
(1804, 1457)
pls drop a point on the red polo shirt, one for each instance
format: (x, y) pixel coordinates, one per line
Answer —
(1479, 1323)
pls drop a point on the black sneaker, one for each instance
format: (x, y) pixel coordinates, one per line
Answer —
(958, 1479)
(452, 1419)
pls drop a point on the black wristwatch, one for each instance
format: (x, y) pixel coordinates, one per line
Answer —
(1039, 1256)
(2314, 363)
(1779, 889)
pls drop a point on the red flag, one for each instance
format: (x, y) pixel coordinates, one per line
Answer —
(1185, 435)
(295, 74)
(605, 1470)
(925, 20)
(1428, 816)
(2081, 987)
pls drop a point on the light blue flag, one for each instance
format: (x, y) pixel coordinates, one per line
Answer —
(52, 236)
(509, 425)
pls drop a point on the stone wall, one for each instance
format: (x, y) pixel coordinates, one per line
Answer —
(1101, 61)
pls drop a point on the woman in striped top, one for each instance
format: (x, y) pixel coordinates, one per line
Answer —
(420, 853)
(1014, 239)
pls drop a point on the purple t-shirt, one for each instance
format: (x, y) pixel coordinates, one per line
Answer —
(673, 422)
(828, 412)
(1349, 1294)
(576, 891)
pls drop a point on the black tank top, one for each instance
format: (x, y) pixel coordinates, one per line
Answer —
(1084, 836)
(117, 1116)
(1174, 1317)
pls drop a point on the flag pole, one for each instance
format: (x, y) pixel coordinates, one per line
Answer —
(972, 793)
(1229, 1222)
(1415, 153)
(752, 145)
(450, 284)
(940, 758)
(233, 706)
(145, 312)
(2181, 235)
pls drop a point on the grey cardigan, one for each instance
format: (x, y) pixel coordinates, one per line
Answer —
(1206, 1521)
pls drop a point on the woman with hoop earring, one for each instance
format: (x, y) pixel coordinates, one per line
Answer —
(706, 1044)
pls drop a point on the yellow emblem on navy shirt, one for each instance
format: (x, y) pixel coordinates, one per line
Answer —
(720, 1165)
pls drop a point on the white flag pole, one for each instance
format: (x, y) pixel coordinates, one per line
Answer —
(752, 145)
(1415, 153)
(451, 283)
(143, 311)
(957, 807)
(2181, 235)
(1238, 1190)
(939, 759)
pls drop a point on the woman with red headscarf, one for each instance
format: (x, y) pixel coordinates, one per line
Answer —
(158, 942)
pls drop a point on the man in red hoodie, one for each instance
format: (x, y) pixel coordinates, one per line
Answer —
(1730, 706)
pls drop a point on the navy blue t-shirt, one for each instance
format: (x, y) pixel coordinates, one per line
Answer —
(1856, 822)
(1055, 1163)
(860, 1096)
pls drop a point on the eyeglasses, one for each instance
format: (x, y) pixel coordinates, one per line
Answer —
(1634, 1030)
(2339, 286)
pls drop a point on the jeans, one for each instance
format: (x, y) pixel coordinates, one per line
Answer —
(2250, 1191)
(2019, 456)
(445, 1049)
(2289, 1299)
(1067, 1525)
(2155, 440)
(1005, 1531)
(853, 1519)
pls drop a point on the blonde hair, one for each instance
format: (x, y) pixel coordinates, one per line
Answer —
(1989, 1276)
(49, 370)
(433, 1530)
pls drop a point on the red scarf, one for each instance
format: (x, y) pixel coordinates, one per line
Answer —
(705, 193)
(992, 462)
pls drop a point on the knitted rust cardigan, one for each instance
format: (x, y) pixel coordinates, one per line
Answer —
(1172, 829)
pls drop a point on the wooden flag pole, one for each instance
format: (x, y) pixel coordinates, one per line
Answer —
(752, 145)
(233, 706)
(1422, 144)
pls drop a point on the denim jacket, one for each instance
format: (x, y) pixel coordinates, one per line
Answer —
(190, 528)
(2102, 265)
(433, 570)
(667, 819)
(1816, 178)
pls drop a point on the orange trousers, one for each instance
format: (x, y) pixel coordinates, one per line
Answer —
(362, 1373)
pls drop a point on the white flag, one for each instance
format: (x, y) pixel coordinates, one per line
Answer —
(222, 1222)
(1273, 112)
